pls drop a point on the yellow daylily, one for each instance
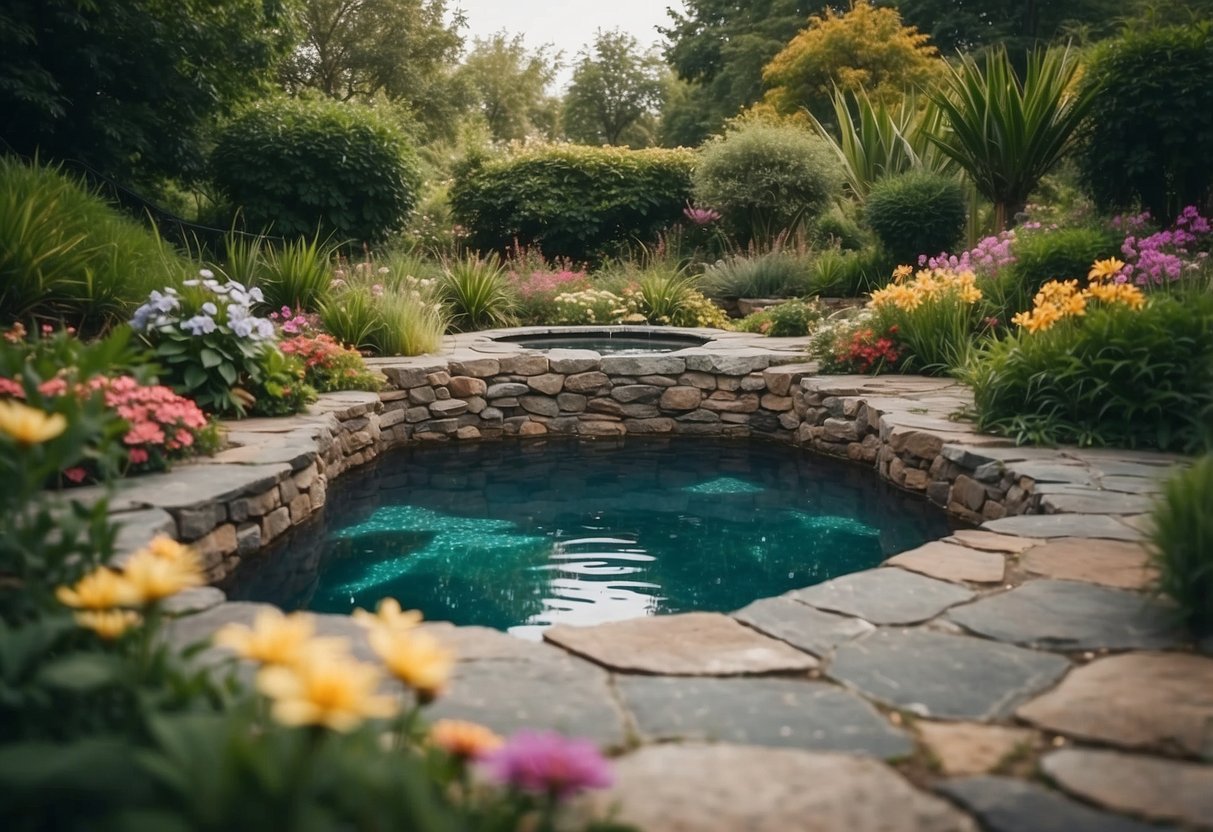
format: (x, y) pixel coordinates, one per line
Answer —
(101, 589)
(29, 425)
(1103, 269)
(325, 688)
(155, 577)
(108, 624)
(388, 614)
(274, 638)
(415, 658)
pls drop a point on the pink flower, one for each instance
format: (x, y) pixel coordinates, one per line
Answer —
(76, 474)
(700, 216)
(137, 456)
(8, 387)
(545, 762)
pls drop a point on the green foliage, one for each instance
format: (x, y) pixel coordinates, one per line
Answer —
(66, 255)
(1115, 377)
(863, 48)
(774, 274)
(243, 257)
(353, 316)
(575, 202)
(131, 88)
(790, 319)
(836, 228)
(917, 213)
(849, 274)
(405, 318)
(322, 168)
(663, 294)
(297, 274)
(1007, 130)
(478, 293)
(1151, 138)
(767, 179)
(1041, 256)
(278, 384)
(1183, 543)
(615, 93)
(407, 326)
(505, 84)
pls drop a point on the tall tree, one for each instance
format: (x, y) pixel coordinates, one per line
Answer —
(866, 48)
(404, 50)
(507, 83)
(615, 93)
(130, 87)
(720, 47)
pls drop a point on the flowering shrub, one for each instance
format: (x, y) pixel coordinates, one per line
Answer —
(986, 259)
(330, 366)
(1058, 300)
(1164, 256)
(934, 316)
(788, 319)
(537, 291)
(213, 348)
(851, 343)
(594, 306)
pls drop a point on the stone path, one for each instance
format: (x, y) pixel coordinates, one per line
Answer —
(1017, 677)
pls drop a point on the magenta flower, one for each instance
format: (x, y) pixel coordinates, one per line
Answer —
(545, 762)
(700, 216)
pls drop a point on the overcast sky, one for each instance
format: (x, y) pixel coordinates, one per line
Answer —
(567, 24)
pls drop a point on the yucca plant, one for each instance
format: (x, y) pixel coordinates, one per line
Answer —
(298, 274)
(1183, 544)
(1006, 132)
(477, 292)
(876, 139)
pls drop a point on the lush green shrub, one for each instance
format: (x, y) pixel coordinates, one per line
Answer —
(66, 255)
(478, 293)
(933, 316)
(917, 213)
(297, 274)
(1041, 256)
(312, 167)
(767, 179)
(836, 228)
(851, 342)
(1183, 543)
(849, 274)
(789, 319)
(1114, 376)
(405, 318)
(775, 274)
(571, 201)
(1150, 141)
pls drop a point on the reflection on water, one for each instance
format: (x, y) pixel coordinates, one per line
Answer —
(520, 537)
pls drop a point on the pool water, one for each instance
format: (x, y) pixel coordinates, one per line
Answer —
(522, 536)
(608, 343)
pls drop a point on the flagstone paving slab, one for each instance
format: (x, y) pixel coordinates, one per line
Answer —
(951, 562)
(800, 625)
(884, 596)
(730, 788)
(1165, 790)
(1063, 525)
(1113, 563)
(991, 542)
(691, 644)
(1004, 804)
(1143, 701)
(1068, 615)
(943, 675)
(760, 711)
(968, 748)
(1092, 501)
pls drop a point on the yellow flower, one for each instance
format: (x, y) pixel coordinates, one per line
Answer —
(902, 272)
(101, 589)
(274, 638)
(466, 740)
(165, 548)
(1121, 293)
(388, 614)
(969, 294)
(108, 624)
(155, 577)
(1102, 269)
(324, 687)
(1075, 305)
(415, 658)
(29, 425)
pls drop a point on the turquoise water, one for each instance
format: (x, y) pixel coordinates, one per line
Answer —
(609, 344)
(522, 536)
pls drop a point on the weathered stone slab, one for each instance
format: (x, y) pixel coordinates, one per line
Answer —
(691, 644)
(800, 625)
(585, 382)
(1143, 701)
(642, 365)
(991, 542)
(949, 562)
(730, 788)
(137, 528)
(1063, 525)
(193, 485)
(1004, 804)
(942, 675)
(1067, 615)
(1108, 562)
(884, 596)
(968, 748)
(759, 711)
(506, 389)
(573, 361)
(739, 363)
(1165, 790)
(1097, 502)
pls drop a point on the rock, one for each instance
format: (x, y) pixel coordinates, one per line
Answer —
(600, 428)
(690, 644)
(636, 393)
(701, 381)
(941, 675)
(1143, 701)
(642, 365)
(525, 365)
(949, 562)
(1166, 790)
(659, 424)
(1091, 501)
(540, 405)
(532, 429)
(1066, 615)
(800, 625)
(969, 493)
(840, 430)
(548, 383)
(759, 711)
(462, 387)
(1107, 562)
(884, 596)
(586, 382)
(1063, 525)
(738, 363)
(1003, 804)
(746, 403)
(422, 395)
(468, 432)
(571, 402)
(966, 748)
(775, 403)
(680, 398)
(194, 600)
(991, 542)
(573, 361)
(416, 414)
(475, 367)
(450, 407)
(506, 389)
(730, 788)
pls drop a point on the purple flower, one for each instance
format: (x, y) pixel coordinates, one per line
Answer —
(199, 325)
(700, 216)
(545, 762)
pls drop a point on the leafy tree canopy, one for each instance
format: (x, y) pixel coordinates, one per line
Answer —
(506, 84)
(129, 87)
(615, 93)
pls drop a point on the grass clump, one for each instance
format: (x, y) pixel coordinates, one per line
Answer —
(1183, 542)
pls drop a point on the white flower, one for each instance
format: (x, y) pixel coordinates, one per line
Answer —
(206, 273)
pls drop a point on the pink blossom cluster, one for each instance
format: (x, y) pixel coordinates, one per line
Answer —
(542, 281)
(990, 256)
(548, 763)
(1162, 257)
(295, 321)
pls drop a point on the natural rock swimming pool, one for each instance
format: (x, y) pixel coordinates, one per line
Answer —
(520, 536)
